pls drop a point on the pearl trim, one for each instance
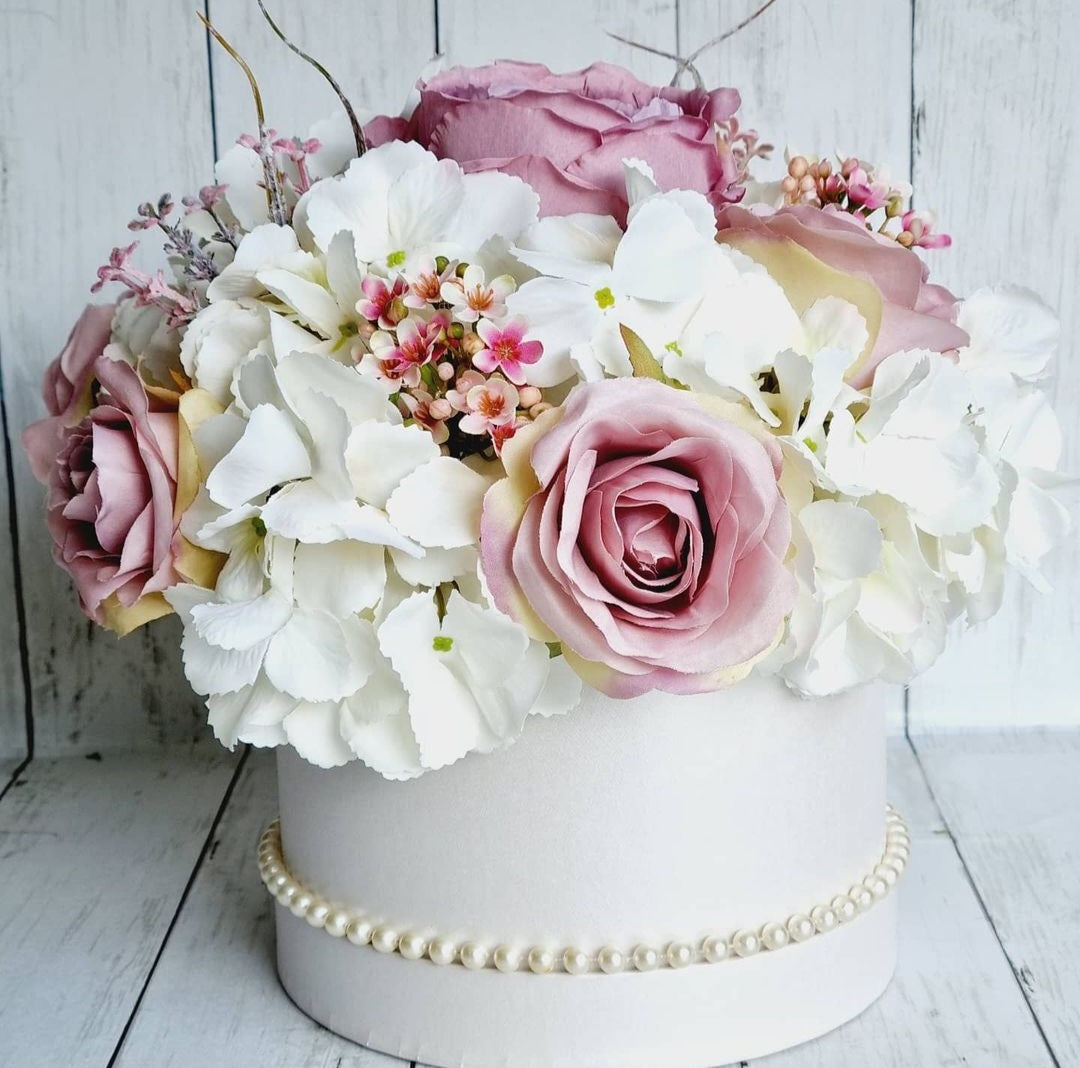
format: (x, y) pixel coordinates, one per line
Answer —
(362, 930)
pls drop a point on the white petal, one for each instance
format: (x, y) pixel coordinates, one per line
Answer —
(341, 577)
(845, 539)
(315, 657)
(562, 689)
(380, 455)
(314, 731)
(834, 323)
(1011, 329)
(360, 397)
(242, 624)
(662, 256)
(269, 453)
(494, 204)
(313, 304)
(576, 247)
(240, 169)
(211, 670)
(439, 504)
(560, 314)
(436, 566)
(304, 511)
(217, 342)
(266, 246)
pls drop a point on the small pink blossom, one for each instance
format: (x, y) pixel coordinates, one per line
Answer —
(417, 343)
(428, 412)
(489, 405)
(384, 304)
(472, 295)
(920, 225)
(866, 191)
(505, 350)
(426, 287)
(465, 381)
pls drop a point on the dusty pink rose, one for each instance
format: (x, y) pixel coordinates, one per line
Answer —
(914, 314)
(567, 134)
(66, 386)
(645, 532)
(112, 491)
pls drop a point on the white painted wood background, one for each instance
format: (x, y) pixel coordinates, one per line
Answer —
(106, 103)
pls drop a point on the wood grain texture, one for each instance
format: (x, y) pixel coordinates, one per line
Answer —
(374, 52)
(14, 743)
(954, 999)
(1013, 800)
(564, 34)
(101, 106)
(990, 73)
(218, 965)
(820, 78)
(94, 857)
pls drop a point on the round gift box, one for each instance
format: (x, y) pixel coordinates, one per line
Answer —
(648, 822)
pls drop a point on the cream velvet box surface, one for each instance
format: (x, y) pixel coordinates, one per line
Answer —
(651, 821)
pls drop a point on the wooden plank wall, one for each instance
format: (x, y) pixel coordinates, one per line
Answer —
(103, 105)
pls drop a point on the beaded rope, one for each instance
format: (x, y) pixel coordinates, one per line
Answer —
(361, 930)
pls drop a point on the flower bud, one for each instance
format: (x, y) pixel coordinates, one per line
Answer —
(529, 396)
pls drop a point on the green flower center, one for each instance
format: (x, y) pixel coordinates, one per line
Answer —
(604, 298)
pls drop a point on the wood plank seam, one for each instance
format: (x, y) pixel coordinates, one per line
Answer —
(982, 904)
(203, 852)
(16, 567)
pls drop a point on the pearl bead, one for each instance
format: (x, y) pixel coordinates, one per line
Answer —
(541, 961)
(300, 903)
(715, 949)
(384, 939)
(886, 872)
(576, 961)
(507, 958)
(359, 931)
(318, 913)
(800, 928)
(774, 936)
(287, 891)
(877, 886)
(824, 918)
(679, 955)
(474, 955)
(646, 958)
(277, 882)
(745, 943)
(861, 896)
(412, 946)
(844, 908)
(337, 923)
(441, 951)
(272, 871)
(611, 960)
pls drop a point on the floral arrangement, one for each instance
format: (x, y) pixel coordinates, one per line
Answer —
(437, 418)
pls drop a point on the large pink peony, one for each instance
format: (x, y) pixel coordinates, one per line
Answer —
(112, 479)
(643, 528)
(567, 134)
(907, 312)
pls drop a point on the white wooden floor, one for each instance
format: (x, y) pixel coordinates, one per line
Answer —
(134, 932)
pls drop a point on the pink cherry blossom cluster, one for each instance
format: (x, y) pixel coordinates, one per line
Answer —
(441, 333)
(865, 191)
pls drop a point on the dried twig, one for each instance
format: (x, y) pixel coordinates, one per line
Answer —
(686, 64)
(354, 122)
(275, 202)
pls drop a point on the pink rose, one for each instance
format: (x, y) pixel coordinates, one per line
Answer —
(912, 313)
(112, 493)
(567, 134)
(66, 386)
(644, 530)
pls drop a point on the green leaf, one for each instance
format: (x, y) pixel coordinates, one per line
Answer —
(643, 362)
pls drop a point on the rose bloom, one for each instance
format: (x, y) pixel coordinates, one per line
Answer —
(644, 529)
(112, 481)
(66, 386)
(903, 311)
(567, 134)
